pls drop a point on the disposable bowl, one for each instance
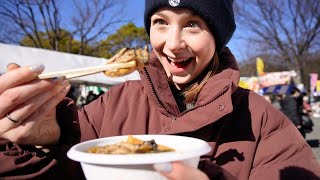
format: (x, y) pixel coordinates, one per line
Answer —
(136, 166)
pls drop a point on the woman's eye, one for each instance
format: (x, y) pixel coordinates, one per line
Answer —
(193, 25)
(159, 22)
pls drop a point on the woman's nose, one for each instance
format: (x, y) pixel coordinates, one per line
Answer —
(175, 41)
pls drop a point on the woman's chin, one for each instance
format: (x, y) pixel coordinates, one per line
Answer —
(181, 80)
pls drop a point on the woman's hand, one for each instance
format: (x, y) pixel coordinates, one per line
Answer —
(178, 170)
(28, 105)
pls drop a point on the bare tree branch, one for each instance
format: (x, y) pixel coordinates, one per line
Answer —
(288, 28)
(39, 23)
(95, 20)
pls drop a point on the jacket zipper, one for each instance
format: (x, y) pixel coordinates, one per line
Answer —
(156, 95)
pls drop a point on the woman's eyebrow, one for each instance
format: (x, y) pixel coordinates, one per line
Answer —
(161, 14)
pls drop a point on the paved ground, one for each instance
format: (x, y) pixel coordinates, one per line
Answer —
(313, 138)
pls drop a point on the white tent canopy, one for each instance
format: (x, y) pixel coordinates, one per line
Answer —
(56, 61)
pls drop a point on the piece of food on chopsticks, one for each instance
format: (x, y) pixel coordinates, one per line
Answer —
(131, 146)
(139, 56)
(124, 62)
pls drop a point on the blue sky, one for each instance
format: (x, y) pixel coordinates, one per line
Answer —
(135, 12)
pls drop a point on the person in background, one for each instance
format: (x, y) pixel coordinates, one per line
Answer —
(91, 97)
(268, 97)
(291, 106)
(306, 113)
(274, 99)
(189, 88)
(306, 104)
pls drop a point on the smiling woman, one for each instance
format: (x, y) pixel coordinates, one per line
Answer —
(182, 42)
(184, 46)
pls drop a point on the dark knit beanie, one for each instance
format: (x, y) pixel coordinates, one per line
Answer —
(218, 15)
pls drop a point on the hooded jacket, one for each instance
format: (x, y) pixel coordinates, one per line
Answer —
(250, 139)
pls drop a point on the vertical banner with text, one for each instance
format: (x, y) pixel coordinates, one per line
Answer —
(313, 82)
(318, 86)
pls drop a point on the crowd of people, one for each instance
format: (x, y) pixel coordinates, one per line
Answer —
(189, 88)
(296, 106)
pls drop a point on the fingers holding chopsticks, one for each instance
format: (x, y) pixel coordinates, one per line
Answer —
(37, 118)
(31, 93)
(23, 95)
(20, 84)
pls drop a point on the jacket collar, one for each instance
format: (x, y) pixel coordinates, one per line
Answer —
(157, 87)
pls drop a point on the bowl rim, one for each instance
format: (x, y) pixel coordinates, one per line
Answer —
(77, 154)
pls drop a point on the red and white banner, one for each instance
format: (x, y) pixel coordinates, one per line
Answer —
(275, 78)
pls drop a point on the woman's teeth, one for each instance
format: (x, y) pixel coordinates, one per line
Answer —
(178, 61)
(181, 63)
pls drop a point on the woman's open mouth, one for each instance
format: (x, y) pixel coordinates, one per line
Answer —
(181, 64)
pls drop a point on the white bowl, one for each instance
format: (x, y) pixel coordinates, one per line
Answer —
(136, 166)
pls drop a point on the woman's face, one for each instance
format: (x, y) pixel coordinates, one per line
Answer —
(182, 42)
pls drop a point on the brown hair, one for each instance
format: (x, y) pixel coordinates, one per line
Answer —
(191, 93)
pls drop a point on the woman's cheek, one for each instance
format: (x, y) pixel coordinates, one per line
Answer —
(155, 42)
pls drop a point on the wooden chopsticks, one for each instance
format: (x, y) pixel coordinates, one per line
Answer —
(73, 73)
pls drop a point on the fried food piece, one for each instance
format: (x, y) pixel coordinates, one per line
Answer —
(139, 56)
(159, 147)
